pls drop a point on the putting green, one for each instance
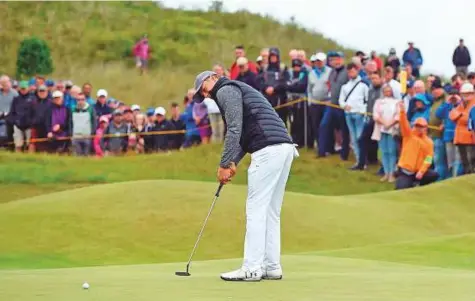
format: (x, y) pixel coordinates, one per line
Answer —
(306, 278)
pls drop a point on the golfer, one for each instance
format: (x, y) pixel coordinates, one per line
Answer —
(254, 127)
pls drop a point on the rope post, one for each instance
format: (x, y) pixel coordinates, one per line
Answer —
(305, 118)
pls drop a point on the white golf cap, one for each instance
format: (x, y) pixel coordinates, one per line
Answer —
(160, 111)
(467, 88)
(135, 108)
(57, 94)
(259, 59)
(241, 61)
(313, 58)
(320, 56)
(102, 92)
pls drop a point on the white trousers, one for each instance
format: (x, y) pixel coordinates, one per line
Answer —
(267, 177)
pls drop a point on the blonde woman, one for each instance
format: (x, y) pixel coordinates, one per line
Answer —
(386, 118)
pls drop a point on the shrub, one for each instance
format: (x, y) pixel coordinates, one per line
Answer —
(34, 57)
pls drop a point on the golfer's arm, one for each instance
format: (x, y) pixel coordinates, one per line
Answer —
(230, 100)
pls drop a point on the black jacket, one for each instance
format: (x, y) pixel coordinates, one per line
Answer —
(161, 142)
(21, 111)
(40, 111)
(176, 140)
(249, 78)
(461, 57)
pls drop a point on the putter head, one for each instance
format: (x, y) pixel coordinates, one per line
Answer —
(183, 274)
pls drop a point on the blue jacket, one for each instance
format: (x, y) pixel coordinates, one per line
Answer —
(190, 124)
(471, 121)
(413, 57)
(413, 113)
(442, 113)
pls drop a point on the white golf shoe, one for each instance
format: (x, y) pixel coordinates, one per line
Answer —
(242, 275)
(272, 274)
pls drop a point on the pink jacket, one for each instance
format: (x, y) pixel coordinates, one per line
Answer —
(97, 142)
(141, 49)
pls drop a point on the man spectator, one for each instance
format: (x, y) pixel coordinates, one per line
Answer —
(31, 85)
(234, 71)
(272, 83)
(245, 75)
(192, 135)
(370, 67)
(410, 93)
(413, 56)
(14, 85)
(67, 92)
(356, 60)
(50, 85)
(83, 125)
(176, 140)
(136, 109)
(353, 99)
(317, 91)
(141, 52)
(440, 155)
(394, 84)
(116, 135)
(296, 90)
(416, 155)
(60, 86)
(87, 91)
(259, 63)
(453, 155)
(293, 54)
(162, 125)
(73, 95)
(393, 61)
(461, 58)
(6, 98)
(464, 137)
(334, 118)
(20, 117)
(368, 147)
(40, 106)
(101, 106)
(216, 120)
(377, 60)
(409, 72)
(57, 124)
(457, 81)
(219, 69)
(302, 55)
(149, 139)
(265, 58)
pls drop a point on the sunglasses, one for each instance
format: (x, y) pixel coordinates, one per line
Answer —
(81, 99)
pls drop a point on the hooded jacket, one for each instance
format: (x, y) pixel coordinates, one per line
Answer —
(21, 111)
(414, 112)
(442, 113)
(275, 76)
(461, 57)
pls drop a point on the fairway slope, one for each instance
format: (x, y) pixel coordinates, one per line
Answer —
(157, 221)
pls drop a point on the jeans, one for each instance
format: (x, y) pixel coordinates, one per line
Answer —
(355, 124)
(440, 159)
(82, 147)
(333, 118)
(388, 147)
(453, 160)
(368, 147)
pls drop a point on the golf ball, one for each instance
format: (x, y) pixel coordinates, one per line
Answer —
(85, 286)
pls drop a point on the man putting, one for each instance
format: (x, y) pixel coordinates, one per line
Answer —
(254, 127)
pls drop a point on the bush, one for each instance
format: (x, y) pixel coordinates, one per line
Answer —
(34, 57)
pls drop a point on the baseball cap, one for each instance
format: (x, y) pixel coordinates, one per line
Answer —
(410, 83)
(102, 92)
(49, 83)
(313, 58)
(104, 119)
(127, 109)
(200, 78)
(14, 83)
(436, 83)
(241, 61)
(339, 54)
(259, 59)
(32, 82)
(57, 94)
(320, 56)
(135, 108)
(467, 88)
(117, 112)
(23, 84)
(42, 88)
(160, 111)
(68, 83)
(150, 111)
(421, 121)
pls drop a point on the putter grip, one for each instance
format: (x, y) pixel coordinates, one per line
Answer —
(219, 190)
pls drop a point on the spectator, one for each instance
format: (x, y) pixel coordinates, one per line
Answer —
(67, 92)
(60, 86)
(272, 83)
(297, 89)
(73, 95)
(142, 53)
(101, 106)
(377, 60)
(361, 72)
(416, 154)
(453, 155)
(40, 106)
(409, 72)
(31, 85)
(413, 56)
(116, 135)
(394, 84)
(410, 93)
(302, 55)
(393, 61)
(317, 91)
(20, 116)
(219, 69)
(293, 54)
(419, 107)
(149, 140)
(369, 147)
(135, 110)
(176, 140)
(200, 115)
(245, 75)
(87, 91)
(162, 125)
(370, 67)
(430, 79)
(353, 99)
(239, 52)
(6, 98)
(334, 118)
(436, 130)
(216, 120)
(57, 124)
(99, 143)
(386, 118)
(50, 85)
(461, 58)
(14, 85)
(192, 135)
(265, 59)
(457, 81)
(464, 138)
(140, 121)
(83, 125)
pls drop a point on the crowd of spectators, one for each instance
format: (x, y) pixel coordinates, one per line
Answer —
(423, 129)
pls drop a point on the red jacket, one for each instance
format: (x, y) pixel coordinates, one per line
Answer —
(234, 71)
(379, 62)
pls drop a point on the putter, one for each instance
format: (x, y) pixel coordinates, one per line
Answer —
(187, 272)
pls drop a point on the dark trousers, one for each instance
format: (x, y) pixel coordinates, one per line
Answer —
(405, 181)
(10, 145)
(315, 113)
(467, 156)
(368, 147)
(297, 124)
(283, 114)
(333, 119)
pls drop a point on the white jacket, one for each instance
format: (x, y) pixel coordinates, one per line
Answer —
(357, 99)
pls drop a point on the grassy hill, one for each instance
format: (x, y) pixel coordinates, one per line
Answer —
(92, 41)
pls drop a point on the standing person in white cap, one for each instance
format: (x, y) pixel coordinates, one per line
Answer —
(245, 75)
(101, 106)
(254, 127)
(162, 142)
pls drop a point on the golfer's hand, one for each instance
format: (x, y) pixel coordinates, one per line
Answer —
(224, 175)
(233, 169)
(419, 175)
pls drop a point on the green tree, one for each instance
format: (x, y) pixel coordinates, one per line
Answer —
(216, 6)
(34, 57)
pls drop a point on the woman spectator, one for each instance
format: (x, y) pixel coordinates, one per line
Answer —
(200, 115)
(99, 145)
(386, 118)
(57, 124)
(139, 127)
